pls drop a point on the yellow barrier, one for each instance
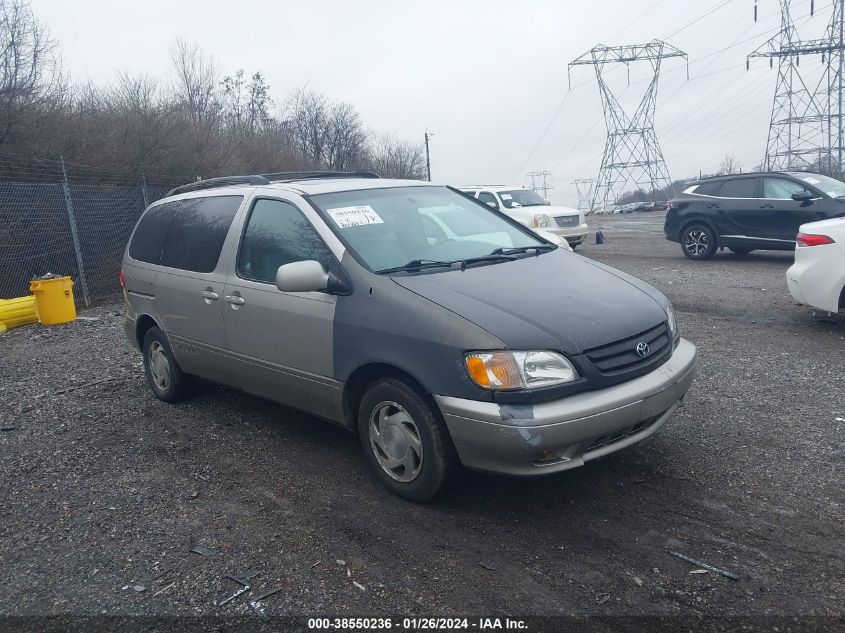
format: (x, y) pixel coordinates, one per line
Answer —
(54, 300)
(18, 311)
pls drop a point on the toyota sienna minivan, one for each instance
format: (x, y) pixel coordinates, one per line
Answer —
(341, 295)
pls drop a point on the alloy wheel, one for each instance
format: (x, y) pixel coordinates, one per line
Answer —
(696, 242)
(159, 365)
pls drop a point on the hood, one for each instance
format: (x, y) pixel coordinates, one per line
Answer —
(556, 300)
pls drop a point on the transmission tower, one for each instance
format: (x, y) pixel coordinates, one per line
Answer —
(631, 152)
(541, 187)
(584, 189)
(805, 131)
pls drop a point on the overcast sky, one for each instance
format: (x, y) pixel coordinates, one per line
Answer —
(485, 77)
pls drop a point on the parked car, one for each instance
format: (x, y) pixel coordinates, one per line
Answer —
(325, 292)
(817, 278)
(746, 212)
(530, 209)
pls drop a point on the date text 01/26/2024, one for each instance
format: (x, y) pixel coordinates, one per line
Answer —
(416, 624)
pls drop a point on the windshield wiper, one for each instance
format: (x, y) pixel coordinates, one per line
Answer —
(492, 257)
(416, 264)
(523, 249)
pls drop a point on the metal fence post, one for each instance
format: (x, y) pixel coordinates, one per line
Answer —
(74, 233)
(144, 191)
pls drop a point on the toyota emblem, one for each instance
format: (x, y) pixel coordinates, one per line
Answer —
(642, 349)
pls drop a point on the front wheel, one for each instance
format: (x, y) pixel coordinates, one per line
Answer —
(406, 444)
(698, 242)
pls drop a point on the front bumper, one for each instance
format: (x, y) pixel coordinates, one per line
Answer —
(573, 234)
(509, 438)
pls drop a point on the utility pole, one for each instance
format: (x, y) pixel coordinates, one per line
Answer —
(542, 189)
(807, 105)
(428, 135)
(631, 153)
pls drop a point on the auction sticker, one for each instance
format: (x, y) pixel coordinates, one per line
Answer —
(362, 215)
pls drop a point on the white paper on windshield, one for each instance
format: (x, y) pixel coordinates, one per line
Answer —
(361, 215)
(506, 196)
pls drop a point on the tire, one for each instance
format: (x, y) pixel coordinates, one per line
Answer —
(740, 251)
(405, 442)
(698, 242)
(167, 380)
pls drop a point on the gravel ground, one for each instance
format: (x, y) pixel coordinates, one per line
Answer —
(106, 490)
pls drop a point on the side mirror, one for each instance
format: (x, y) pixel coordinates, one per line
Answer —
(305, 276)
(802, 196)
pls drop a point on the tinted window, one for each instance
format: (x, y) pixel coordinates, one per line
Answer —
(708, 188)
(486, 197)
(469, 193)
(148, 239)
(277, 234)
(739, 188)
(780, 188)
(197, 233)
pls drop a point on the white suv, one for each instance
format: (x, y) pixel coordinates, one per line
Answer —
(523, 205)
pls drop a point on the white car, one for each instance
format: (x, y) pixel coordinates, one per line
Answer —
(817, 278)
(444, 223)
(528, 208)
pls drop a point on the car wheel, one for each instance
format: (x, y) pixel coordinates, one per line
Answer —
(406, 444)
(698, 241)
(740, 251)
(167, 380)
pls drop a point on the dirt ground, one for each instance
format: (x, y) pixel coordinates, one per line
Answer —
(105, 490)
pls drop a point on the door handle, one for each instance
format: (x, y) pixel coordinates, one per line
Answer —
(210, 295)
(711, 206)
(766, 206)
(235, 300)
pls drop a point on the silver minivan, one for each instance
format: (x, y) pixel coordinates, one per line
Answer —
(441, 331)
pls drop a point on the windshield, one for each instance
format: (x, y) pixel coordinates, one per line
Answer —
(523, 197)
(388, 228)
(832, 187)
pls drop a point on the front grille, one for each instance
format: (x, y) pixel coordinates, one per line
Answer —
(621, 356)
(567, 220)
(621, 434)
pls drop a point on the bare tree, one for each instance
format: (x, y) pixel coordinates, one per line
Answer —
(30, 69)
(396, 159)
(196, 81)
(346, 139)
(729, 165)
(306, 115)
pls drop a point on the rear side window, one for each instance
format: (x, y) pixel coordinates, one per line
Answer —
(277, 234)
(739, 188)
(148, 239)
(707, 188)
(198, 231)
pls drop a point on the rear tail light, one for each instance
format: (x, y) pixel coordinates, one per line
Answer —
(808, 239)
(121, 278)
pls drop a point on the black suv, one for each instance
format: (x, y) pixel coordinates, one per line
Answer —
(744, 212)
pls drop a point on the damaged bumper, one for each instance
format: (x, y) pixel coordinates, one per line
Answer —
(562, 434)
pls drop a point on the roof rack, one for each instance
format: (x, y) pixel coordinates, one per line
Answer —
(225, 181)
(290, 176)
(266, 179)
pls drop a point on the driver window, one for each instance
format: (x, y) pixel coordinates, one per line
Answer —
(487, 197)
(780, 188)
(276, 234)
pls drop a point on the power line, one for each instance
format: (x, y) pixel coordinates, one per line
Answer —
(698, 19)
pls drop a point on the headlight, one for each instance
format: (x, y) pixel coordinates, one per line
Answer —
(581, 219)
(673, 326)
(500, 371)
(542, 221)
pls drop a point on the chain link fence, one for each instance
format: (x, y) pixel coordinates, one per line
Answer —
(68, 219)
